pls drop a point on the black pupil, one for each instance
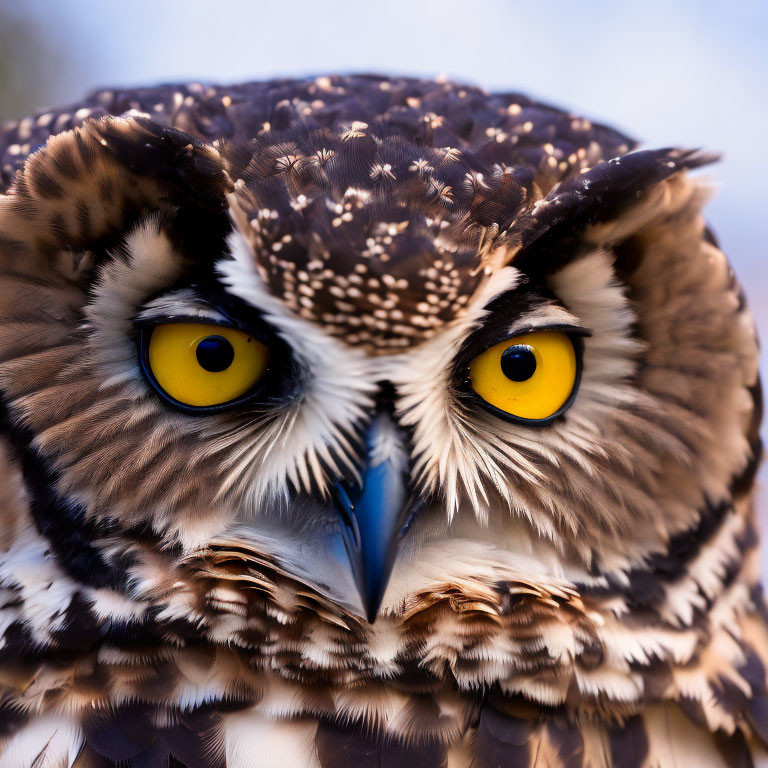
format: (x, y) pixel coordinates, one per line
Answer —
(215, 353)
(518, 363)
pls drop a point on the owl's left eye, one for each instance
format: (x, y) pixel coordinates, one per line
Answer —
(201, 365)
(531, 378)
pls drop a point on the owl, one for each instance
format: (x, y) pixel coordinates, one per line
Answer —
(359, 421)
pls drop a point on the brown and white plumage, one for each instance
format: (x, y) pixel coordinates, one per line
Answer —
(584, 593)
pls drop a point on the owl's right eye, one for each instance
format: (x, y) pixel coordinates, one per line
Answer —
(203, 366)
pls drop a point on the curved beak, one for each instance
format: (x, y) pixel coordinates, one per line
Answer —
(377, 512)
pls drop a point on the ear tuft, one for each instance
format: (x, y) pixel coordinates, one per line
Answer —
(601, 194)
(176, 160)
(90, 184)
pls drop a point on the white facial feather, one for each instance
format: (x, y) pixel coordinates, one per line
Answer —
(46, 592)
(48, 741)
(259, 742)
(318, 428)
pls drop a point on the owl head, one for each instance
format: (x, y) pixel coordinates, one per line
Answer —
(361, 375)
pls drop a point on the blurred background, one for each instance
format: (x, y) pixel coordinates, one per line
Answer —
(692, 73)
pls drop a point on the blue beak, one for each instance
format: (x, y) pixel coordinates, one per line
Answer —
(376, 513)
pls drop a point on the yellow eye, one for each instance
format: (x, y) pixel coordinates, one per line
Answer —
(529, 377)
(202, 365)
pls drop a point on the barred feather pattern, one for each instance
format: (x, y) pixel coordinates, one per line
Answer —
(581, 595)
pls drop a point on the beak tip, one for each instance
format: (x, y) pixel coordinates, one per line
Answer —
(374, 600)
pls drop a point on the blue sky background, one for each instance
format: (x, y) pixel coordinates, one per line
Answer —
(683, 72)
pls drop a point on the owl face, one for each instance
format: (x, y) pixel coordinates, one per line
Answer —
(361, 365)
